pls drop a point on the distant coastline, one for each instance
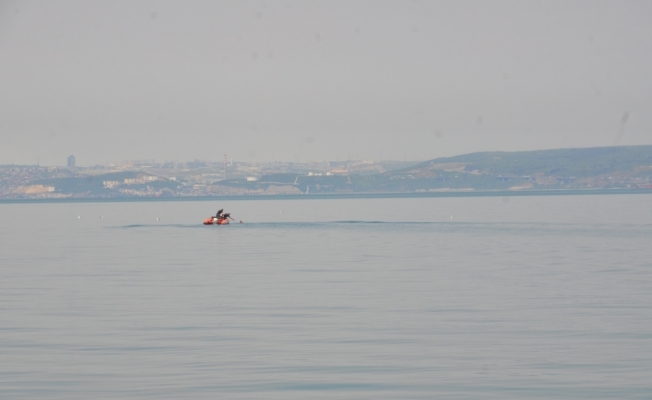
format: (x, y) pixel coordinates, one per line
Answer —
(542, 172)
(335, 196)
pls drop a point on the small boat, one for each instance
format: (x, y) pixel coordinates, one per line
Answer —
(216, 221)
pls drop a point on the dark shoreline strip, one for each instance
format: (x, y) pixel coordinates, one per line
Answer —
(407, 195)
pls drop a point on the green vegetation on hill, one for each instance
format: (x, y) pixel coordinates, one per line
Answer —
(566, 163)
(588, 168)
(585, 168)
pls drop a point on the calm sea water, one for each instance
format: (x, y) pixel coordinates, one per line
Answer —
(458, 298)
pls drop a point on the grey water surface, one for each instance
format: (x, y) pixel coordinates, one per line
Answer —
(459, 298)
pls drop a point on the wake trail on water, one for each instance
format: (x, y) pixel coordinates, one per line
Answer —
(558, 229)
(133, 226)
(277, 224)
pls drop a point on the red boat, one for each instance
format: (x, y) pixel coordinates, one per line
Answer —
(216, 221)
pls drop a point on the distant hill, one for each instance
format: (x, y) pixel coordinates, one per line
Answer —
(627, 167)
(592, 161)
(582, 168)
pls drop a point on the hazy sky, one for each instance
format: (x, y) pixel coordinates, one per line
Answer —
(319, 80)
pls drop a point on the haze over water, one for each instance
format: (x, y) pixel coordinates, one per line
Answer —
(476, 297)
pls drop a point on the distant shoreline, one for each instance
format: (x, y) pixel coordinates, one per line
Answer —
(335, 196)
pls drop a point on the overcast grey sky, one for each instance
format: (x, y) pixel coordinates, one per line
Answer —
(319, 80)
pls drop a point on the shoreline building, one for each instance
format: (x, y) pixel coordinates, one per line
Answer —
(71, 161)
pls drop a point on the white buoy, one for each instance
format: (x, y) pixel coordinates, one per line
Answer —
(451, 217)
(157, 219)
(79, 216)
(281, 212)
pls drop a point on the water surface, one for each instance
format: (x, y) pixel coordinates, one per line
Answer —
(464, 298)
